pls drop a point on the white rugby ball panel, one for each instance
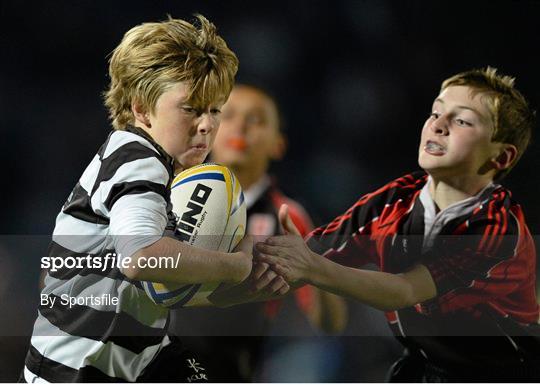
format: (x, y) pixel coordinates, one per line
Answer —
(200, 210)
(211, 213)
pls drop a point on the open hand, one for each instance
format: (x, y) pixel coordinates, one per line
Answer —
(289, 256)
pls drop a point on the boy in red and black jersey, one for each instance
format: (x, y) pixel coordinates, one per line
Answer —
(456, 258)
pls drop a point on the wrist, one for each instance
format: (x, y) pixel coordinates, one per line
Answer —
(239, 266)
(315, 274)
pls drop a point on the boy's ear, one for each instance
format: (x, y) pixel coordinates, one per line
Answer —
(140, 114)
(506, 158)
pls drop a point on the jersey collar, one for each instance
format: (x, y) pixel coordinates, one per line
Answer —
(435, 221)
(139, 131)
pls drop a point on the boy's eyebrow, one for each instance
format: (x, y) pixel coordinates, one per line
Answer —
(463, 108)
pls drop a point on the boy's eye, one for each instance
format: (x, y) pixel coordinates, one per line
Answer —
(434, 115)
(215, 111)
(188, 109)
(462, 122)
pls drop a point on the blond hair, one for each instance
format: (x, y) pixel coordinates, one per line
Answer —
(512, 118)
(152, 57)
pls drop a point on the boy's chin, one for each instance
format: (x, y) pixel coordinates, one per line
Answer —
(431, 169)
(186, 163)
(431, 165)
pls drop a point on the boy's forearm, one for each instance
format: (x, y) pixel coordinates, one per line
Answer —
(194, 265)
(383, 291)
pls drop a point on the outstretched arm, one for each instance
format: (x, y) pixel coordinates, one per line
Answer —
(327, 311)
(195, 265)
(243, 281)
(291, 258)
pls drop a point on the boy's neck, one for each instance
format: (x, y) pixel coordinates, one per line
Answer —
(445, 193)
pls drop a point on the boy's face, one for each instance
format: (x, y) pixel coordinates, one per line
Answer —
(249, 135)
(456, 138)
(184, 133)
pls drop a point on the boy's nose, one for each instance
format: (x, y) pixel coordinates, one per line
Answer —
(207, 124)
(440, 126)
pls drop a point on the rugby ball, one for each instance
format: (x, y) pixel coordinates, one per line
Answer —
(210, 211)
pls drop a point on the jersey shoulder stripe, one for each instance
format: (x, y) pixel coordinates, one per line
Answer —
(79, 206)
(124, 154)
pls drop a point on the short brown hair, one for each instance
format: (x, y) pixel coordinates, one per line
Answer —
(153, 56)
(513, 119)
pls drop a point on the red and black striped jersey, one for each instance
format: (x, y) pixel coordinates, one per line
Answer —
(482, 260)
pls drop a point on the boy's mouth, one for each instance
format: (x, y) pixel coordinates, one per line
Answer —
(434, 148)
(200, 147)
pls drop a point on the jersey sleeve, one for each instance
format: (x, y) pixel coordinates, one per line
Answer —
(361, 235)
(349, 239)
(131, 189)
(492, 258)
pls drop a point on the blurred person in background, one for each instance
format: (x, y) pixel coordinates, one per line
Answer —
(250, 138)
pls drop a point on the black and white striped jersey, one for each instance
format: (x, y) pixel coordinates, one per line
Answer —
(120, 204)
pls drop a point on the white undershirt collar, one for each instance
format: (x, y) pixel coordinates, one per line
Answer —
(434, 222)
(256, 190)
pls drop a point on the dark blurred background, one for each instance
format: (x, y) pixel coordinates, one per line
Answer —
(355, 81)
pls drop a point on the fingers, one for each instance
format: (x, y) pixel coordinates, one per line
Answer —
(264, 281)
(281, 270)
(271, 283)
(282, 240)
(286, 222)
(278, 286)
(278, 265)
(271, 260)
(284, 290)
(267, 249)
(259, 268)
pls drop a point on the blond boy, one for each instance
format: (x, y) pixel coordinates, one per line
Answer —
(168, 81)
